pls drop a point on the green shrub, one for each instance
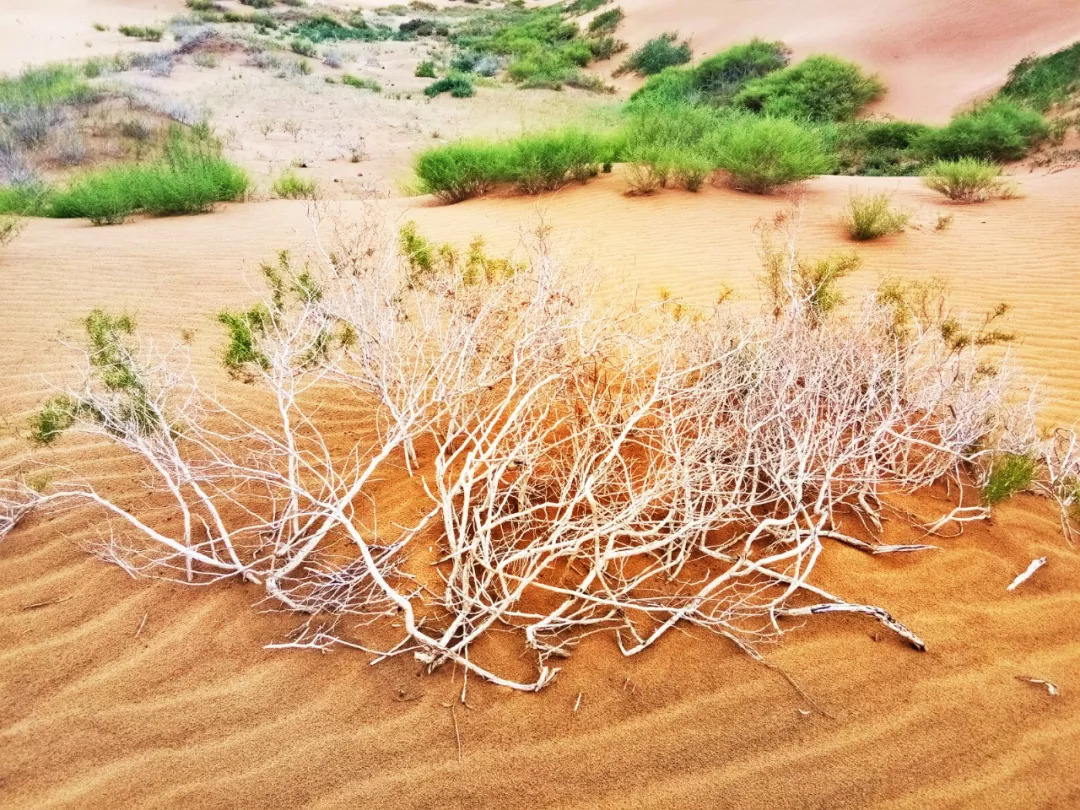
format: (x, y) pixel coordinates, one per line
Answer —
(1043, 81)
(606, 21)
(1000, 130)
(458, 171)
(821, 88)
(361, 83)
(425, 70)
(1011, 473)
(324, 28)
(578, 7)
(717, 79)
(871, 216)
(875, 148)
(458, 85)
(547, 161)
(147, 33)
(44, 87)
(25, 199)
(661, 52)
(303, 47)
(190, 178)
(760, 155)
(967, 180)
(291, 186)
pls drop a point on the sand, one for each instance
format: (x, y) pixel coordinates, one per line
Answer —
(134, 693)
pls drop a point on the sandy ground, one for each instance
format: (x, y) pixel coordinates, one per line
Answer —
(190, 710)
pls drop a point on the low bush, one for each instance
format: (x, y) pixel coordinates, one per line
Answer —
(606, 21)
(661, 52)
(9, 228)
(303, 47)
(875, 148)
(425, 70)
(324, 28)
(763, 154)
(1000, 130)
(189, 178)
(458, 171)
(143, 32)
(291, 186)
(871, 216)
(967, 180)
(458, 85)
(1043, 81)
(821, 88)
(547, 161)
(361, 83)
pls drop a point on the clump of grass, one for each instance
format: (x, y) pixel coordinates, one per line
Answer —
(303, 47)
(425, 70)
(763, 154)
(875, 148)
(943, 222)
(291, 186)
(544, 162)
(1000, 130)
(821, 88)
(967, 180)
(1012, 473)
(361, 83)
(324, 28)
(871, 216)
(658, 53)
(144, 32)
(49, 423)
(190, 177)
(606, 21)
(458, 85)
(458, 171)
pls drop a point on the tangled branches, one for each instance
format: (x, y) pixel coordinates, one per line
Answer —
(584, 471)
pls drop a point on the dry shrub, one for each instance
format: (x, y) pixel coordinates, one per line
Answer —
(585, 471)
(871, 216)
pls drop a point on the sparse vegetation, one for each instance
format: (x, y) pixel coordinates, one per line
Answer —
(662, 52)
(361, 83)
(1043, 81)
(458, 85)
(999, 130)
(291, 186)
(425, 70)
(143, 32)
(871, 216)
(968, 180)
(9, 229)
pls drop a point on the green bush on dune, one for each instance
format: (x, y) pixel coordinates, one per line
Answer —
(1043, 81)
(661, 52)
(762, 154)
(1000, 130)
(458, 171)
(821, 88)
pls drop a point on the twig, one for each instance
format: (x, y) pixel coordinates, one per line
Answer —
(35, 605)
(457, 732)
(141, 625)
(1026, 575)
(1051, 688)
(577, 703)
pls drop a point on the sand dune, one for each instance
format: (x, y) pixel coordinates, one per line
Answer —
(934, 55)
(193, 710)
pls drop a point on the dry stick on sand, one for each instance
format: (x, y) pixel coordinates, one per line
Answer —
(1026, 574)
(457, 732)
(36, 605)
(586, 471)
(141, 624)
(1051, 689)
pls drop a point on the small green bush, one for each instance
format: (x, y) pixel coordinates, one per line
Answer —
(144, 32)
(303, 47)
(871, 216)
(9, 228)
(1000, 130)
(821, 88)
(290, 186)
(324, 28)
(967, 180)
(458, 85)
(458, 171)
(361, 83)
(763, 154)
(425, 70)
(606, 21)
(875, 148)
(547, 161)
(1012, 473)
(661, 52)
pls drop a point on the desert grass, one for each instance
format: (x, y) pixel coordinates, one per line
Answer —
(871, 216)
(291, 186)
(968, 180)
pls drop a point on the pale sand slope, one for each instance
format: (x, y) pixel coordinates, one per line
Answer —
(934, 55)
(193, 711)
(36, 31)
